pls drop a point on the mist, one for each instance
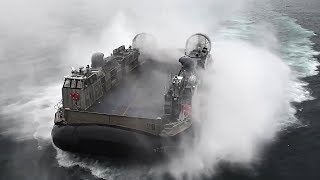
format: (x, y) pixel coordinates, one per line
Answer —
(246, 88)
(42, 40)
(245, 104)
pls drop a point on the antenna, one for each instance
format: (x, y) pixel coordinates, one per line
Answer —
(73, 70)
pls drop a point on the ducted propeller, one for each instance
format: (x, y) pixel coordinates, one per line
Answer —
(198, 46)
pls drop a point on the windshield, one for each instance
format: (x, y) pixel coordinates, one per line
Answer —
(66, 83)
(73, 83)
(79, 84)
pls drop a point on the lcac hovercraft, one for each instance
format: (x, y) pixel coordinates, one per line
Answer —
(120, 103)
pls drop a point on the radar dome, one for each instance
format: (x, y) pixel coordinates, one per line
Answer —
(97, 60)
(143, 41)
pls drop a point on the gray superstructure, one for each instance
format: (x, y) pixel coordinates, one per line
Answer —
(125, 99)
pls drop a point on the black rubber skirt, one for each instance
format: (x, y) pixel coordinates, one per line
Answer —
(95, 139)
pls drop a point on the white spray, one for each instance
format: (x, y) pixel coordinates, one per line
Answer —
(246, 99)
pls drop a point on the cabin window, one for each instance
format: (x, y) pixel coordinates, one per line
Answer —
(79, 84)
(73, 83)
(67, 83)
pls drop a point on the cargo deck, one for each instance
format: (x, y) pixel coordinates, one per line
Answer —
(140, 94)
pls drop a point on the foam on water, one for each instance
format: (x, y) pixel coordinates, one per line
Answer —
(32, 111)
(285, 37)
(297, 46)
(105, 169)
(297, 51)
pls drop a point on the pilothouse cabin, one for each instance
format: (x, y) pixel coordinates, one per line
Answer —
(84, 87)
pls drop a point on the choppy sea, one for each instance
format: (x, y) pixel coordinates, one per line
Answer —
(34, 62)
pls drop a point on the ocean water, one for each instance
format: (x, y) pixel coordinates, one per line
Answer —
(283, 31)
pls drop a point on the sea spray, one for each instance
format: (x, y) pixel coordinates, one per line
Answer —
(247, 98)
